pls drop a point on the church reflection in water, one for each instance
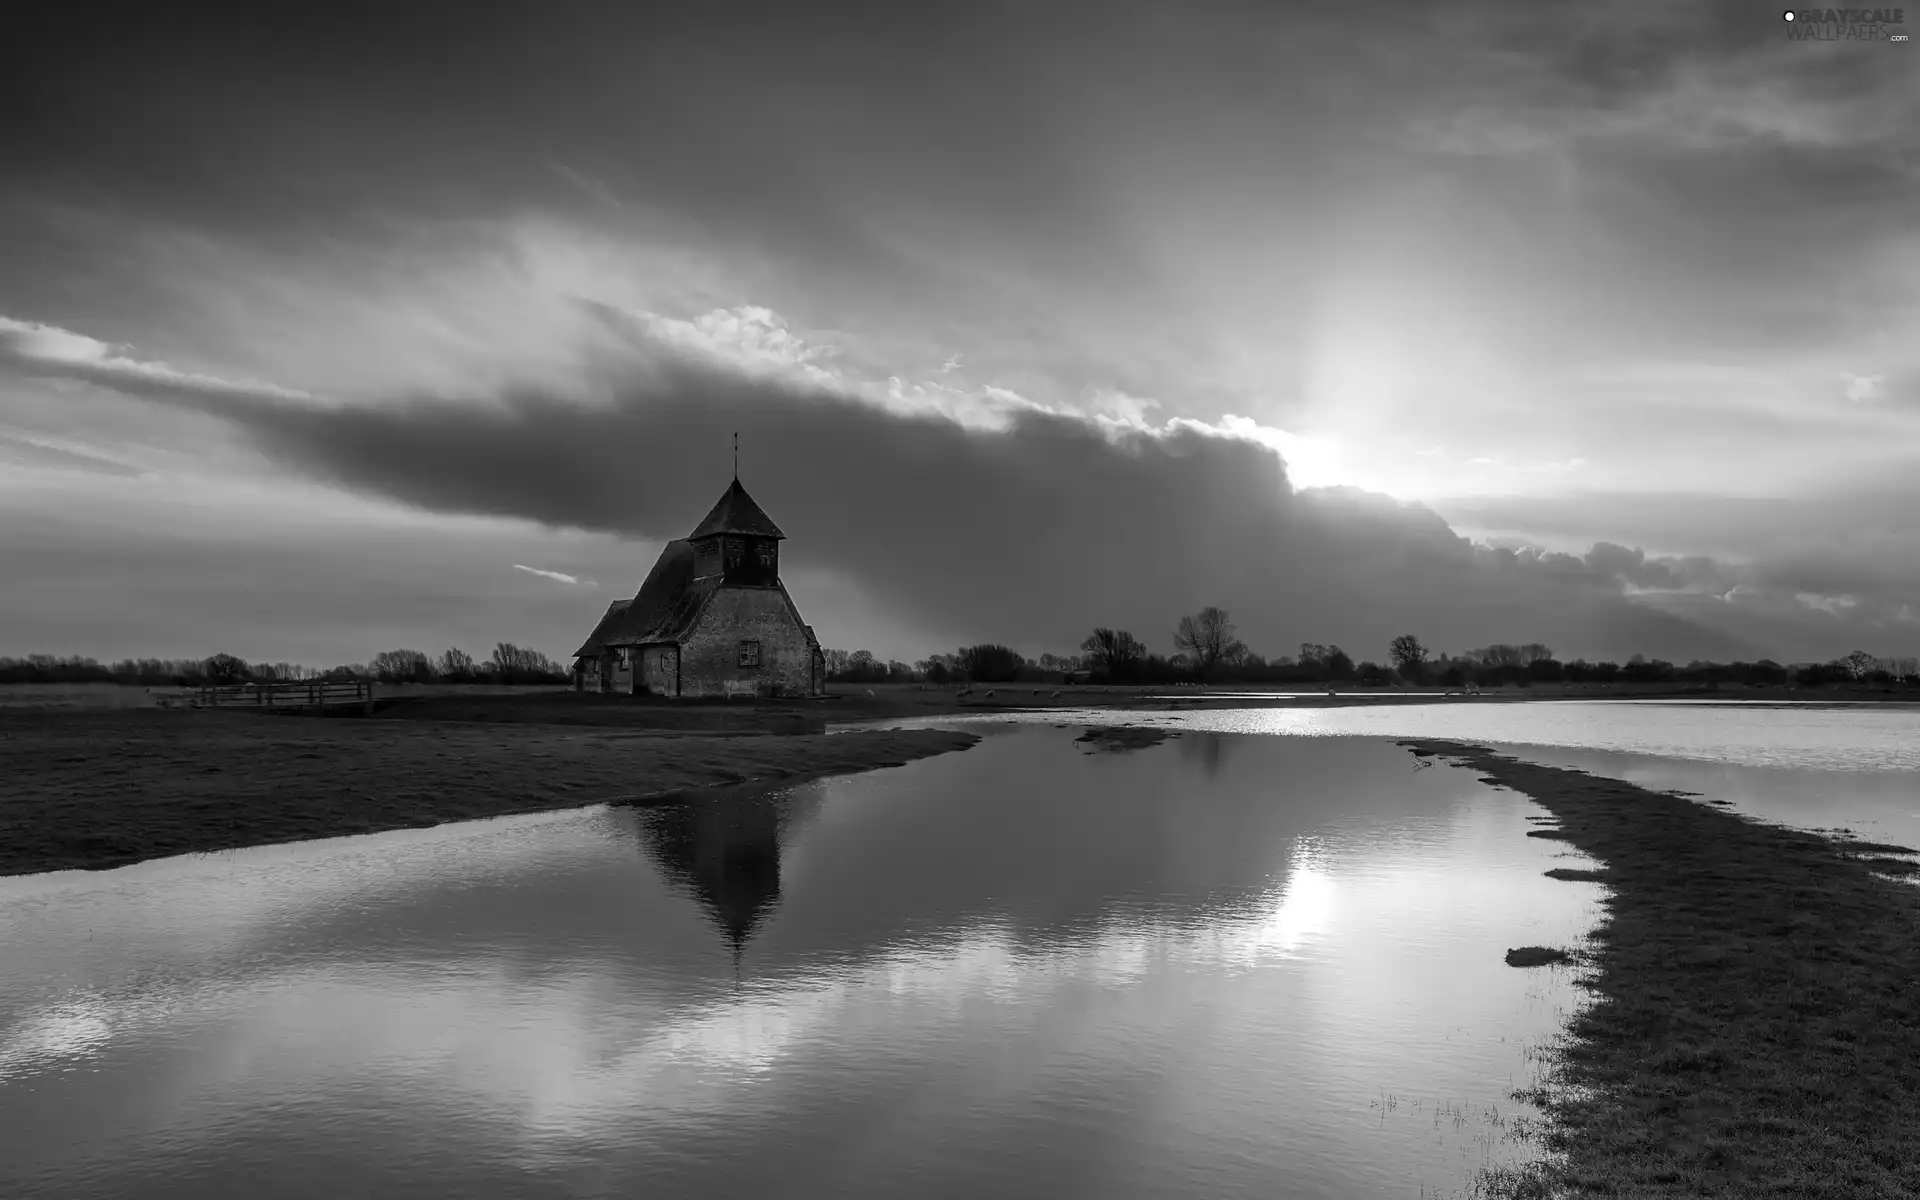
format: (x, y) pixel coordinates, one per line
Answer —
(725, 850)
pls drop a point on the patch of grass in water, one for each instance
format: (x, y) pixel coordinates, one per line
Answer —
(1575, 875)
(1537, 956)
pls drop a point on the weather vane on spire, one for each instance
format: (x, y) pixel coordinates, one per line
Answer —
(736, 457)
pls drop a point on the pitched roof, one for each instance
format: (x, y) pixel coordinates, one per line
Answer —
(664, 608)
(737, 513)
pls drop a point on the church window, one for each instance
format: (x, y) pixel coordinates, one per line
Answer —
(736, 552)
(749, 654)
(765, 552)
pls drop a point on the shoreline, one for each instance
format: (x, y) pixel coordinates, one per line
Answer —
(852, 702)
(1753, 1025)
(98, 789)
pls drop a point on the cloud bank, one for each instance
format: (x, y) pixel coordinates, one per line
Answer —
(1028, 530)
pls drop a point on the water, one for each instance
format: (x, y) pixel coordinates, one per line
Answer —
(1228, 965)
(1221, 966)
(1875, 805)
(1853, 738)
(1853, 767)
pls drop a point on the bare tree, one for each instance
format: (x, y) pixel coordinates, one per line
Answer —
(989, 662)
(1408, 654)
(1497, 655)
(455, 664)
(1859, 665)
(1331, 662)
(402, 666)
(225, 668)
(512, 664)
(1207, 639)
(1115, 652)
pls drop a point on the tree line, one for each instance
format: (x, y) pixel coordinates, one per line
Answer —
(509, 664)
(1207, 649)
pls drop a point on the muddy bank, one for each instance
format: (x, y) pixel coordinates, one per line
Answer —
(103, 788)
(1754, 1026)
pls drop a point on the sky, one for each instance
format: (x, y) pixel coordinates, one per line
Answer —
(324, 333)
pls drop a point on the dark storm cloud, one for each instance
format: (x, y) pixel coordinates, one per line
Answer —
(1031, 534)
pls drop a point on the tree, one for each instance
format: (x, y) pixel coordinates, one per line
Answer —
(1326, 662)
(455, 664)
(1409, 655)
(225, 668)
(1859, 665)
(1207, 638)
(990, 663)
(402, 666)
(1546, 670)
(1498, 656)
(1114, 653)
(836, 661)
(512, 664)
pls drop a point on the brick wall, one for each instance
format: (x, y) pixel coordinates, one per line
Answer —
(710, 656)
(659, 669)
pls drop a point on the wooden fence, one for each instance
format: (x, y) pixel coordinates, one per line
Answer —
(313, 693)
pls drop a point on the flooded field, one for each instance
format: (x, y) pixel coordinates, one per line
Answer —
(1225, 965)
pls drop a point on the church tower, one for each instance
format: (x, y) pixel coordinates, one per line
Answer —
(738, 542)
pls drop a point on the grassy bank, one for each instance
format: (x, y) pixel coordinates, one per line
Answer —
(1755, 1020)
(95, 788)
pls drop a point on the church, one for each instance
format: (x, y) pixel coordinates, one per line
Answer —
(712, 618)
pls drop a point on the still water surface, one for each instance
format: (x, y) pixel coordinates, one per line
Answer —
(1884, 737)
(1221, 966)
(1854, 767)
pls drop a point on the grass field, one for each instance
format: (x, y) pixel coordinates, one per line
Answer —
(1755, 1022)
(99, 786)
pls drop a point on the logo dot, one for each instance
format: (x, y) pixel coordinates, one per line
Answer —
(1789, 14)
